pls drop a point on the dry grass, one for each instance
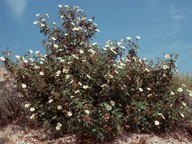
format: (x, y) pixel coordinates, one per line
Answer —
(185, 79)
(2, 71)
(9, 104)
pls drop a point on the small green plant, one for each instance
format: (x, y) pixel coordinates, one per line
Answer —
(78, 87)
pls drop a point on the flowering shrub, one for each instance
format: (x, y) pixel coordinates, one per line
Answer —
(81, 88)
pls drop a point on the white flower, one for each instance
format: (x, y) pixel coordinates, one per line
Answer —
(74, 56)
(47, 15)
(65, 70)
(95, 44)
(183, 85)
(41, 73)
(104, 85)
(69, 113)
(76, 7)
(2, 59)
(62, 16)
(88, 76)
(55, 46)
(59, 107)
(85, 87)
(54, 23)
(97, 30)
(149, 95)
(180, 90)
(27, 105)
(60, 6)
(77, 91)
(140, 89)
(116, 71)
(167, 56)
(62, 60)
(17, 57)
(110, 76)
(160, 114)
(38, 14)
(81, 51)
(71, 82)
(42, 25)
(32, 109)
(76, 29)
(112, 103)
(184, 104)
(112, 49)
(165, 67)
(128, 38)
(80, 83)
(157, 123)
(42, 59)
(182, 115)
(25, 61)
(140, 61)
(32, 116)
(58, 72)
(108, 107)
(30, 51)
(50, 101)
(72, 23)
(90, 20)
(122, 64)
(79, 10)
(92, 51)
(146, 69)
(57, 127)
(138, 37)
(83, 60)
(87, 111)
(53, 38)
(36, 67)
(59, 124)
(24, 85)
(37, 52)
(145, 59)
(172, 93)
(148, 88)
(66, 6)
(119, 67)
(190, 94)
(72, 96)
(43, 19)
(67, 76)
(36, 22)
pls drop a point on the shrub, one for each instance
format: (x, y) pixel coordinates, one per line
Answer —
(78, 87)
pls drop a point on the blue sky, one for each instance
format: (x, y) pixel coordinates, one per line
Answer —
(165, 26)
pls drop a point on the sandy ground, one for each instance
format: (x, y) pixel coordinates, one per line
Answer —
(14, 134)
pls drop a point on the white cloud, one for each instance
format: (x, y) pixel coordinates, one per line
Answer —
(176, 14)
(17, 7)
(154, 2)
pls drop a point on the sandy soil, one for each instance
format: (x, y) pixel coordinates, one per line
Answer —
(15, 134)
